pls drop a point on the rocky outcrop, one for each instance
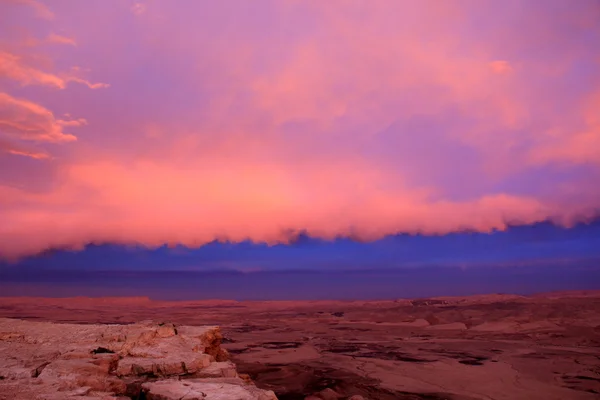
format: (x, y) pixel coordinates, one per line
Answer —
(147, 360)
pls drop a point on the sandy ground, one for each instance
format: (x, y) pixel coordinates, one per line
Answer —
(479, 347)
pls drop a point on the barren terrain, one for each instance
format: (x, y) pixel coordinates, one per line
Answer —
(480, 347)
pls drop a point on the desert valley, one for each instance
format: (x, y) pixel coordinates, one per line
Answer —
(545, 346)
(299, 200)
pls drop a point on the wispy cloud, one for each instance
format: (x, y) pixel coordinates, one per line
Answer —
(501, 66)
(14, 148)
(13, 67)
(138, 8)
(40, 9)
(30, 121)
(59, 39)
(97, 85)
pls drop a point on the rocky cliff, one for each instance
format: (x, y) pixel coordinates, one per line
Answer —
(147, 360)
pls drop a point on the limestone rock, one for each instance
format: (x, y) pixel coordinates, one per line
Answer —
(77, 373)
(166, 330)
(47, 361)
(198, 389)
(223, 369)
(166, 366)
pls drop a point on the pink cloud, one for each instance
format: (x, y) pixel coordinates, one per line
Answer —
(29, 121)
(155, 204)
(35, 155)
(98, 85)
(500, 66)
(40, 9)
(360, 119)
(59, 39)
(138, 8)
(12, 67)
(11, 147)
(574, 144)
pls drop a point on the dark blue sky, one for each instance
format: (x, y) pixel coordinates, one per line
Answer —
(522, 259)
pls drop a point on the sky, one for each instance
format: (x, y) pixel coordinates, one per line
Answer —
(288, 134)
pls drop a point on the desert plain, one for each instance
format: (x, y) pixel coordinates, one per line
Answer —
(544, 346)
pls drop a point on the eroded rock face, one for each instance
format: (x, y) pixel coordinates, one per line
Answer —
(47, 361)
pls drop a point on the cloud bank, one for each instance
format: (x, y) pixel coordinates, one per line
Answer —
(259, 120)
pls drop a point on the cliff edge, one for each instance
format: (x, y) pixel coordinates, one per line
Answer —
(146, 360)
